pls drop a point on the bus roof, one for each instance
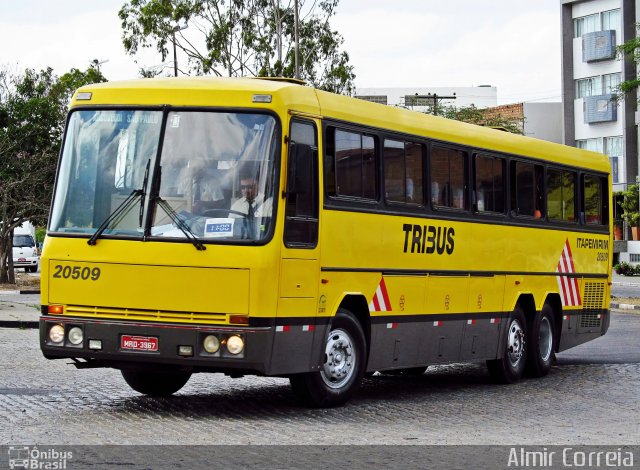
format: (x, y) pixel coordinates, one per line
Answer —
(289, 95)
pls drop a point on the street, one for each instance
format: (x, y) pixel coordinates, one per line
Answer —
(591, 396)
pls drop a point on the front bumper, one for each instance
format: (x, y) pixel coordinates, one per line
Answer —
(25, 262)
(254, 359)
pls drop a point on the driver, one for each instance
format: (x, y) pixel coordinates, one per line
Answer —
(252, 203)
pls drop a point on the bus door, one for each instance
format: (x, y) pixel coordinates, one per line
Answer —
(296, 326)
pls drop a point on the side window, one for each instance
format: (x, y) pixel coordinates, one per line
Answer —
(448, 178)
(350, 164)
(403, 172)
(301, 210)
(592, 193)
(489, 184)
(527, 197)
(561, 195)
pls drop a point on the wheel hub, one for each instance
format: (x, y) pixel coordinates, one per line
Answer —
(339, 359)
(515, 345)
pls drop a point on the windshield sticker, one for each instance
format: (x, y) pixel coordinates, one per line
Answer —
(219, 227)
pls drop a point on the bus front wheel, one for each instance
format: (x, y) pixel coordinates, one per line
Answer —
(155, 384)
(510, 367)
(342, 369)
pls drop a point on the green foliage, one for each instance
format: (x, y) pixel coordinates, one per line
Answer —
(630, 49)
(625, 269)
(243, 38)
(33, 106)
(629, 206)
(473, 115)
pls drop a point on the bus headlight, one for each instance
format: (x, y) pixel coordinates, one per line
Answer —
(235, 344)
(56, 334)
(75, 335)
(211, 344)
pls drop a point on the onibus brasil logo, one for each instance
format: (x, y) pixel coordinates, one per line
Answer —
(34, 458)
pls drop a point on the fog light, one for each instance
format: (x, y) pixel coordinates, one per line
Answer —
(185, 350)
(56, 334)
(75, 335)
(95, 344)
(211, 344)
(235, 344)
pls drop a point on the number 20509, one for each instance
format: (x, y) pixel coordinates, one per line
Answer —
(76, 272)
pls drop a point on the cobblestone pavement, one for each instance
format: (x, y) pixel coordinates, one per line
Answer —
(52, 403)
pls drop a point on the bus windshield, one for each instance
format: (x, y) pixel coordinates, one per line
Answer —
(214, 178)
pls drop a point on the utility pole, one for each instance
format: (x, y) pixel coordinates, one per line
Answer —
(297, 72)
(95, 63)
(175, 56)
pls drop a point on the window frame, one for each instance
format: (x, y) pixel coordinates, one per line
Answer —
(505, 181)
(465, 172)
(330, 127)
(423, 159)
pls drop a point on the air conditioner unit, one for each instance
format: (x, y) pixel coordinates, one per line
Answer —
(599, 45)
(600, 108)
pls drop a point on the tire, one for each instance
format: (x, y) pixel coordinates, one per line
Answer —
(343, 368)
(155, 384)
(542, 343)
(510, 368)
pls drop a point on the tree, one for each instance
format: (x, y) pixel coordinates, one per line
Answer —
(243, 38)
(32, 112)
(631, 50)
(481, 117)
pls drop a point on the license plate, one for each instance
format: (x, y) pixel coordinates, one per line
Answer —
(139, 343)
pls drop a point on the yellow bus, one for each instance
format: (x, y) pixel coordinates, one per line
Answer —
(252, 226)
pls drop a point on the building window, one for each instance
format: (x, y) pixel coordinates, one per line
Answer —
(591, 86)
(597, 22)
(594, 145)
(613, 148)
(586, 24)
(380, 99)
(611, 19)
(610, 83)
(403, 172)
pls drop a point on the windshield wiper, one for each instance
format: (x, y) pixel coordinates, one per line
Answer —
(177, 220)
(118, 212)
(144, 194)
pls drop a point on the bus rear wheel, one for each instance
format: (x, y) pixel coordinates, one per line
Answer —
(155, 384)
(342, 369)
(510, 368)
(541, 343)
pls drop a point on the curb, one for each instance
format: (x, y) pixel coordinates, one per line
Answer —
(20, 324)
(16, 292)
(624, 306)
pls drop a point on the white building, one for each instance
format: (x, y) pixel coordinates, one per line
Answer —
(423, 98)
(591, 71)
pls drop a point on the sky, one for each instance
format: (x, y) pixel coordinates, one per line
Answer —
(513, 45)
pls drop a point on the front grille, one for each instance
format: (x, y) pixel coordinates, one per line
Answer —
(145, 315)
(592, 305)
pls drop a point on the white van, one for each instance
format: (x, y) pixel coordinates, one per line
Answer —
(25, 251)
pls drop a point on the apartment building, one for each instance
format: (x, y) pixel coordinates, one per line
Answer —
(591, 71)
